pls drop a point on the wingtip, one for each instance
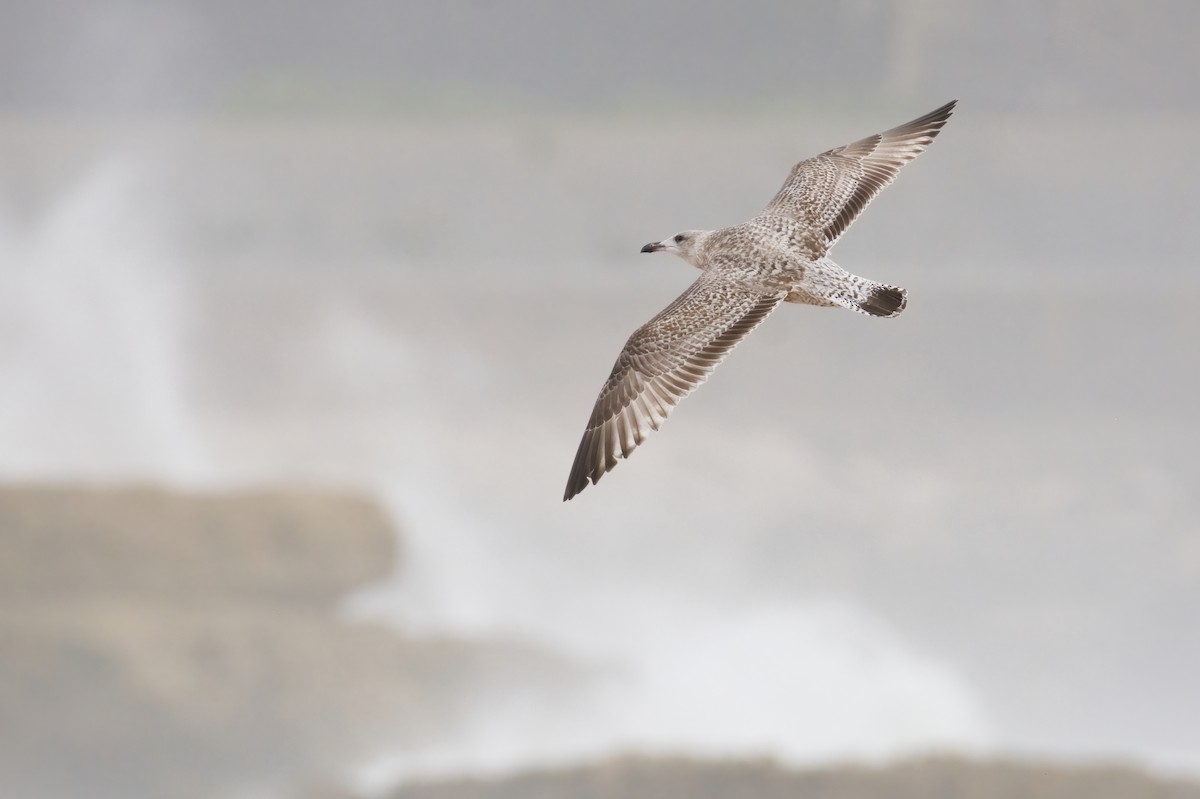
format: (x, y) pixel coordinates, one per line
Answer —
(940, 114)
(575, 486)
(580, 476)
(944, 111)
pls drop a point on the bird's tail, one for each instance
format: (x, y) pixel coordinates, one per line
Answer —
(878, 299)
(825, 280)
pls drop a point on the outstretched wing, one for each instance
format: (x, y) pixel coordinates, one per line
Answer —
(830, 190)
(664, 361)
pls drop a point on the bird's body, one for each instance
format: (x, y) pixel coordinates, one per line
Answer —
(746, 271)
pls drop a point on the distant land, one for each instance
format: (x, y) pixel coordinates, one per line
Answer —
(936, 778)
(155, 643)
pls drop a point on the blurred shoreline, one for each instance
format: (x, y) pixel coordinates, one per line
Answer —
(930, 777)
(201, 625)
(203, 628)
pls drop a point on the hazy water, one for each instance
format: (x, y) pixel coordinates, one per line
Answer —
(969, 527)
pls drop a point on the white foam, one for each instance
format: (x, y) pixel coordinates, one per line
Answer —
(91, 295)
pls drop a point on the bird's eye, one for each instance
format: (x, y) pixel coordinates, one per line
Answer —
(678, 237)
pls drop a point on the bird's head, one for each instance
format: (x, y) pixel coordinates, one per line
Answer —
(687, 245)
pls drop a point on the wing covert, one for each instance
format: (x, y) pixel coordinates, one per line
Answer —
(830, 190)
(661, 363)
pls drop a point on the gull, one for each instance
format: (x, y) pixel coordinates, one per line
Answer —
(781, 255)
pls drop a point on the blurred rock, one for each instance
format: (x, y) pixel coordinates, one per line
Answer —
(640, 778)
(162, 644)
(272, 546)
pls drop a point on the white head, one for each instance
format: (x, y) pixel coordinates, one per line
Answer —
(687, 245)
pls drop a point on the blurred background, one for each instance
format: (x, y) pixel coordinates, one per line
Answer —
(303, 308)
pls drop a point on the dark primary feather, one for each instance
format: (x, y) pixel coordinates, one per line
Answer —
(663, 361)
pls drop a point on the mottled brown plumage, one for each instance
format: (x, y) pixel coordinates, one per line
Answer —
(748, 269)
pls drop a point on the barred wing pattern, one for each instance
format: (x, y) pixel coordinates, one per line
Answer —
(830, 190)
(664, 361)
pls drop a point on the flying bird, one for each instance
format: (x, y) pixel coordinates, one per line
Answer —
(781, 255)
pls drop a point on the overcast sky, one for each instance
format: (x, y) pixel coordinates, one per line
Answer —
(1053, 55)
